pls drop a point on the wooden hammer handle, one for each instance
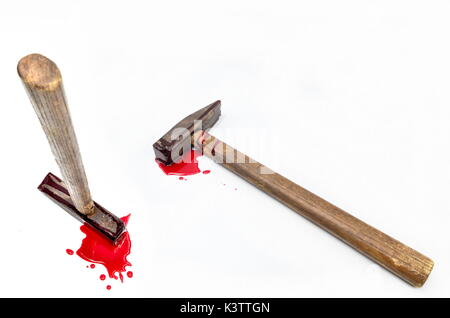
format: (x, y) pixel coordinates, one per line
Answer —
(43, 83)
(400, 259)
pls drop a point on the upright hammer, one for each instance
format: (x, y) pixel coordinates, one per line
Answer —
(393, 255)
(43, 83)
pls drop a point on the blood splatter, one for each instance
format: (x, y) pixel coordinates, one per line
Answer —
(69, 251)
(130, 274)
(98, 249)
(102, 277)
(186, 167)
(108, 287)
(92, 266)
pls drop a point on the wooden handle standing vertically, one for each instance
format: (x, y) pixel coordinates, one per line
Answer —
(43, 83)
(398, 258)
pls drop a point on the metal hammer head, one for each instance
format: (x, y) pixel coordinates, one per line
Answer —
(171, 147)
(102, 220)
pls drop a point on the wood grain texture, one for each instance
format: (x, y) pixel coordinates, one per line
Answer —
(43, 83)
(398, 258)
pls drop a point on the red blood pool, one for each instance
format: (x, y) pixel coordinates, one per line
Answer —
(130, 274)
(98, 249)
(186, 167)
(102, 277)
(108, 287)
(206, 172)
(69, 251)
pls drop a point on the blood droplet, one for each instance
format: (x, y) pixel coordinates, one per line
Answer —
(92, 266)
(181, 178)
(206, 172)
(69, 251)
(108, 287)
(130, 274)
(102, 277)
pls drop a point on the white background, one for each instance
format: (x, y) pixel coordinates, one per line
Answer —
(348, 98)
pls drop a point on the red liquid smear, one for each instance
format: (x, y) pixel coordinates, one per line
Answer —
(130, 274)
(96, 248)
(102, 277)
(206, 172)
(69, 251)
(108, 287)
(186, 167)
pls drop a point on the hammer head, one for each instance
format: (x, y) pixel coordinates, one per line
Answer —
(102, 220)
(171, 147)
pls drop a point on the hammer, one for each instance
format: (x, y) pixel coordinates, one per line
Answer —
(403, 261)
(43, 83)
